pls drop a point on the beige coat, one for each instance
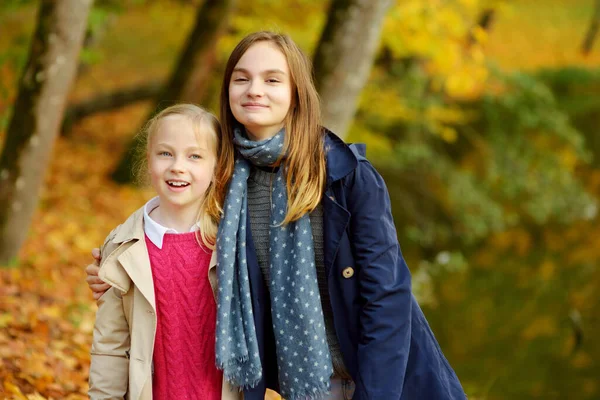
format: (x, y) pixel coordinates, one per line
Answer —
(122, 350)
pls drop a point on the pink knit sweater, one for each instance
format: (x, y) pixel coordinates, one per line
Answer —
(184, 349)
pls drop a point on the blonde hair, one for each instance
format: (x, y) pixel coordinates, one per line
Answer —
(305, 164)
(204, 123)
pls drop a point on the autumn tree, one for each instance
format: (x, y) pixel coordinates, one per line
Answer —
(344, 57)
(38, 110)
(190, 77)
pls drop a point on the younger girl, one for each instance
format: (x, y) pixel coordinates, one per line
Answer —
(155, 327)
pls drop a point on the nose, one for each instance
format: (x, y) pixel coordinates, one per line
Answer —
(178, 165)
(255, 88)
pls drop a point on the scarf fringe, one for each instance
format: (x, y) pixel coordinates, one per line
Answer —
(239, 377)
(321, 391)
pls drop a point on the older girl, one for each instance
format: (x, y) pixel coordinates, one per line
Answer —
(315, 288)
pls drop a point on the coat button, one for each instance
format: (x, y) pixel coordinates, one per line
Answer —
(332, 198)
(348, 272)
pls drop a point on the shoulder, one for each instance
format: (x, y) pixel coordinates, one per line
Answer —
(342, 158)
(108, 242)
(348, 162)
(131, 228)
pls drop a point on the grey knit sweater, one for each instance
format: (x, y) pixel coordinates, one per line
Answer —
(259, 210)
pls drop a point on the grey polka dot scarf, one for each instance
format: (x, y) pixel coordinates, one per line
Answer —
(303, 355)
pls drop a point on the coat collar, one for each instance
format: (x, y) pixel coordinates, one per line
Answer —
(341, 158)
(131, 229)
(134, 259)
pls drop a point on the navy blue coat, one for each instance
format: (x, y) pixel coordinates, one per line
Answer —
(386, 342)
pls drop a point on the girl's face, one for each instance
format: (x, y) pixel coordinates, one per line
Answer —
(181, 163)
(260, 90)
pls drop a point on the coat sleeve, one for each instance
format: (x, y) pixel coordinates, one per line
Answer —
(385, 288)
(109, 370)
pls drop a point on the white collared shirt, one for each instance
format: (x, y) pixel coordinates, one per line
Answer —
(155, 231)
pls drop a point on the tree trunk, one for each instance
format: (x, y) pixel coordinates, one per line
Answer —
(37, 114)
(344, 57)
(189, 80)
(592, 32)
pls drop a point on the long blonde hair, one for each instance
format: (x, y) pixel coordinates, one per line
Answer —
(305, 164)
(204, 123)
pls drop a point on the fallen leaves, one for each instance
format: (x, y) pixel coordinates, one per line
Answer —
(46, 310)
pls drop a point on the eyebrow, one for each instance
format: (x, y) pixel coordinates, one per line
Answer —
(190, 148)
(268, 71)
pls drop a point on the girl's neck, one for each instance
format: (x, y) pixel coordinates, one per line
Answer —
(180, 220)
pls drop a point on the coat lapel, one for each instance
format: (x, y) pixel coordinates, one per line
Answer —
(136, 262)
(132, 262)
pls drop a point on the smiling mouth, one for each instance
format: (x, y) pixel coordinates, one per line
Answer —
(177, 184)
(252, 105)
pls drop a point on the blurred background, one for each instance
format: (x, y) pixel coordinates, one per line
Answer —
(481, 115)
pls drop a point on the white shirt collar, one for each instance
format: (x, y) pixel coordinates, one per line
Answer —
(155, 231)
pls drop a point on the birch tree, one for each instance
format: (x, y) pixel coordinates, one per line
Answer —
(38, 110)
(344, 57)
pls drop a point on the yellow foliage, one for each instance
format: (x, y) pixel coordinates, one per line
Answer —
(467, 82)
(35, 396)
(14, 390)
(5, 320)
(549, 40)
(517, 239)
(581, 360)
(394, 109)
(448, 134)
(448, 115)
(469, 3)
(547, 270)
(438, 32)
(378, 146)
(480, 35)
(581, 255)
(502, 240)
(539, 327)
(568, 158)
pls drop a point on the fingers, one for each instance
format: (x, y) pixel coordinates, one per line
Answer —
(96, 254)
(93, 280)
(99, 287)
(92, 269)
(97, 295)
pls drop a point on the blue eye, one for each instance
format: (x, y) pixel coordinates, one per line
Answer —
(164, 153)
(272, 80)
(195, 157)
